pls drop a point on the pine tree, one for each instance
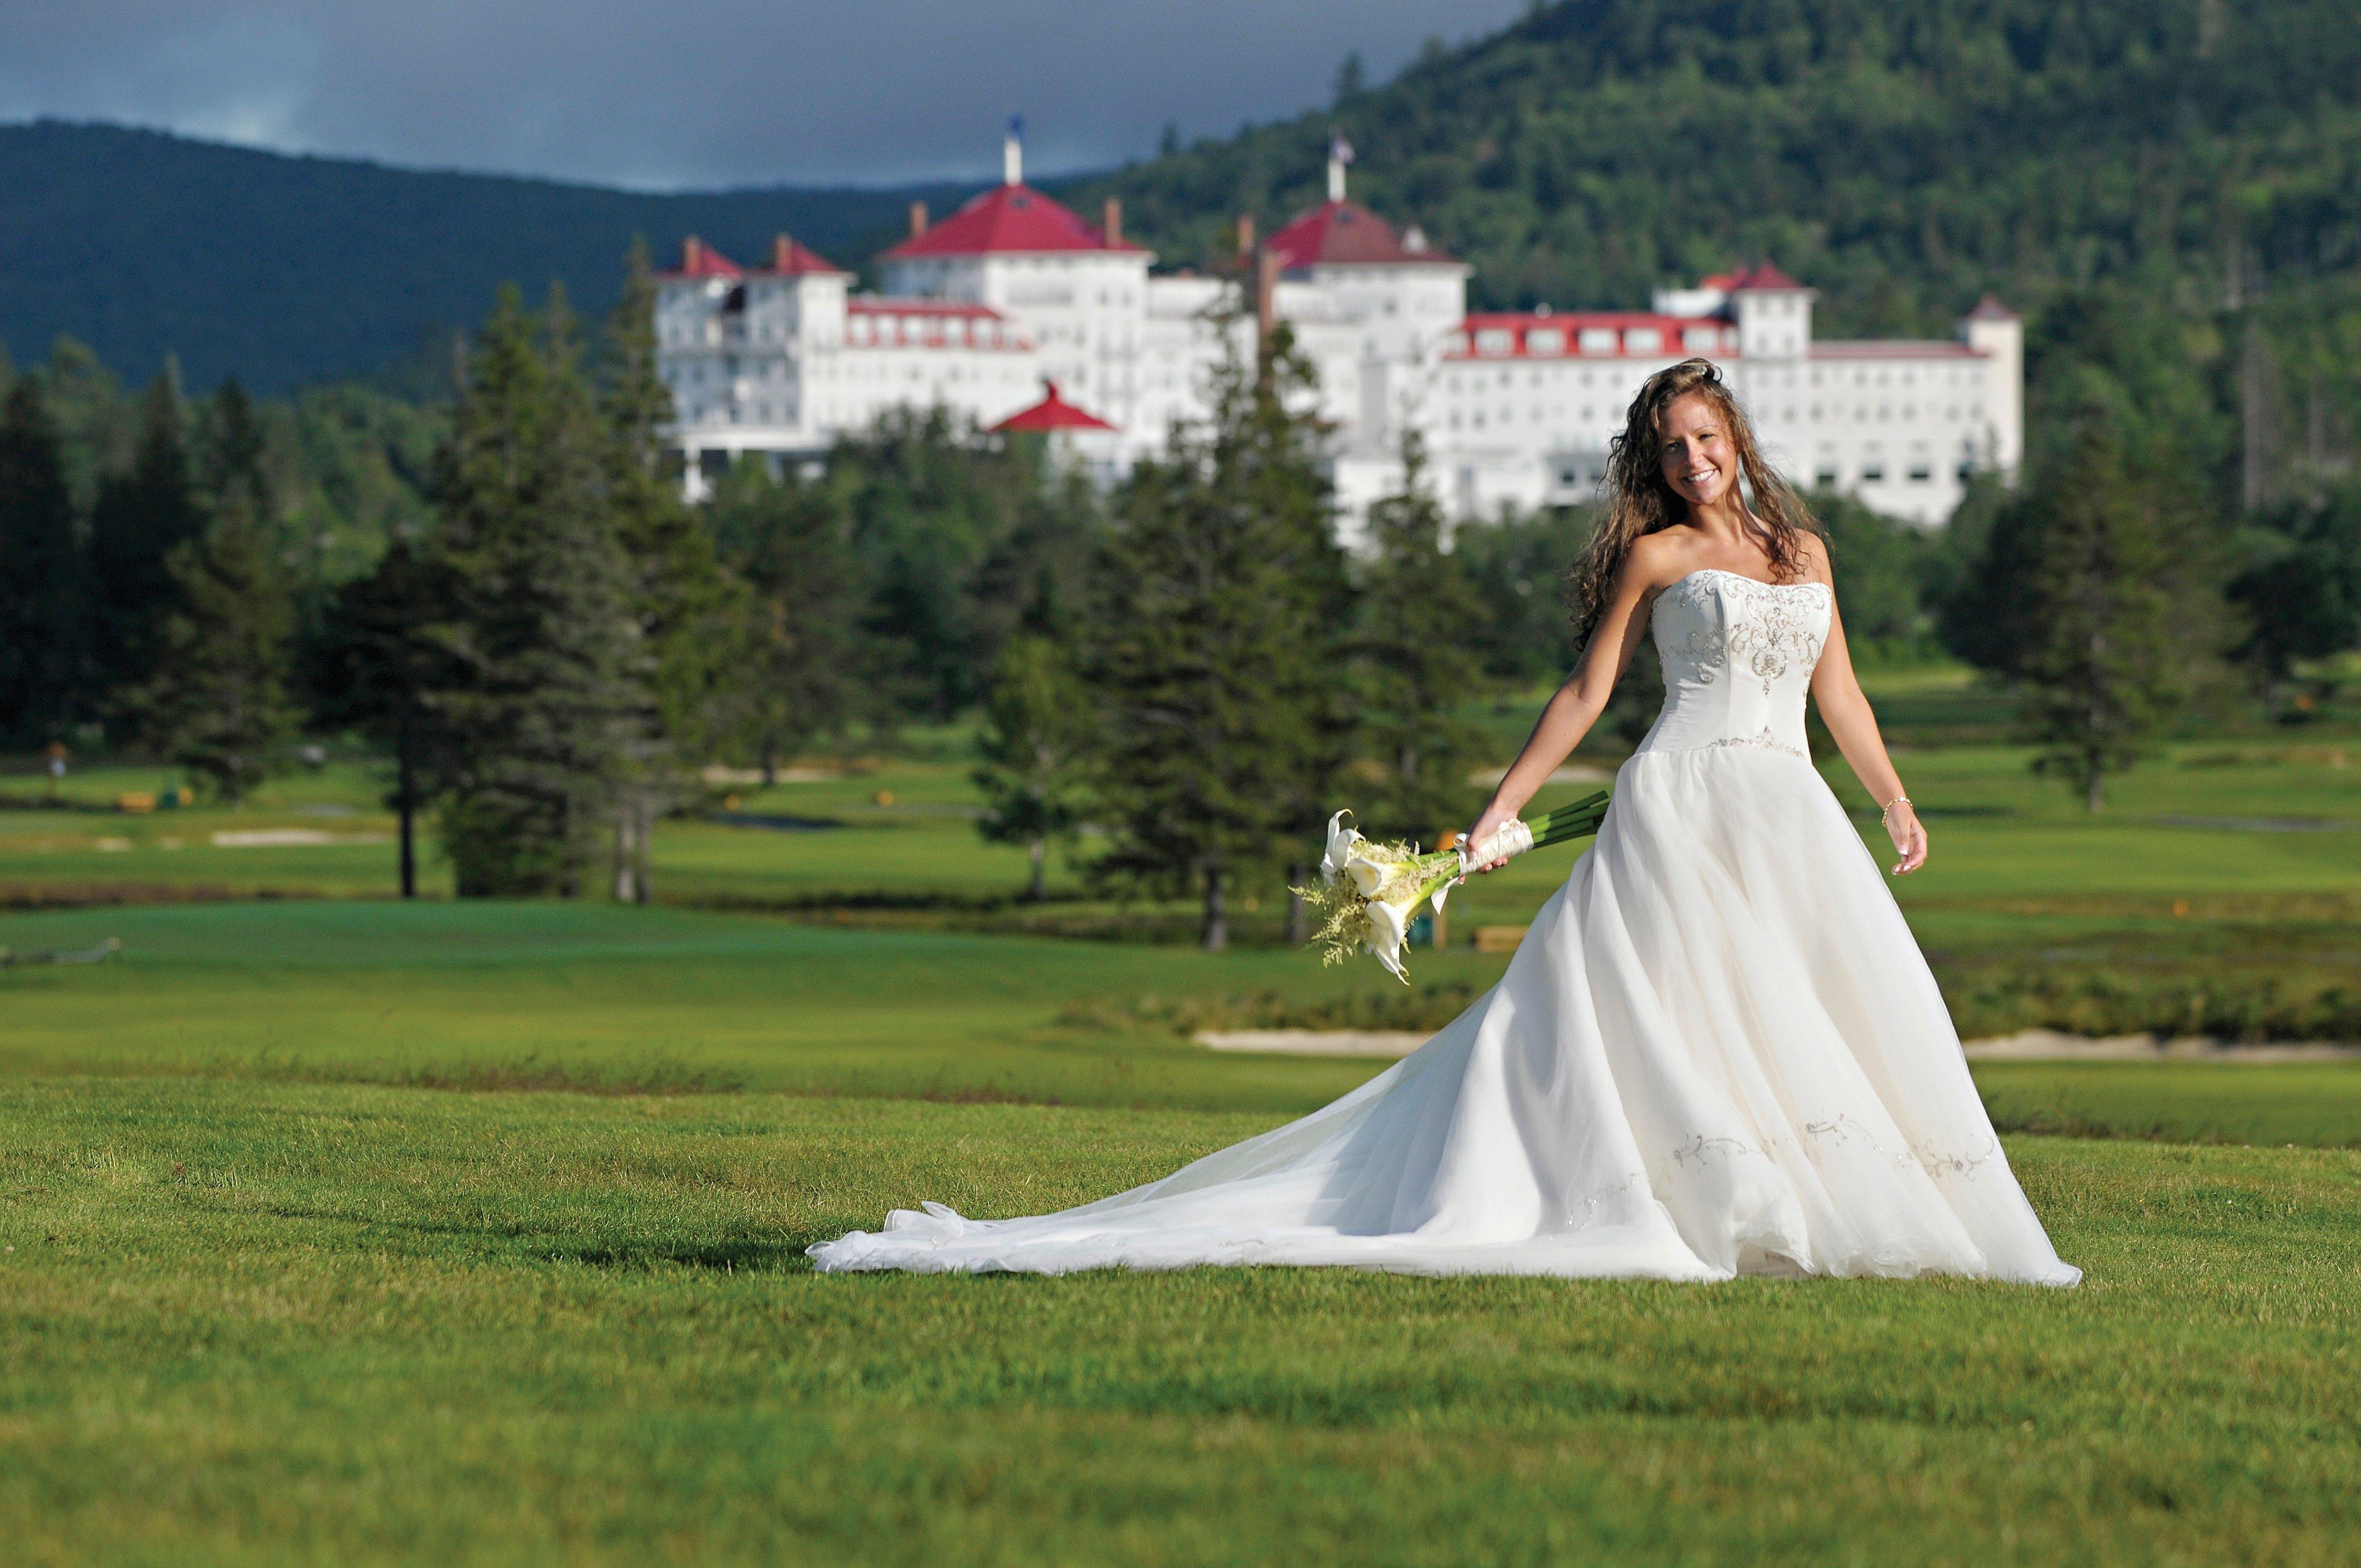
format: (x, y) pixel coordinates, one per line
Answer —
(218, 701)
(1221, 666)
(533, 722)
(684, 607)
(44, 589)
(2119, 620)
(1419, 615)
(378, 654)
(141, 517)
(802, 637)
(1038, 751)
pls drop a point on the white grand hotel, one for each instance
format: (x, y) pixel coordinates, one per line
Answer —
(1016, 314)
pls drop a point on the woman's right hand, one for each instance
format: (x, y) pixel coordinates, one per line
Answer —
(1494, 819)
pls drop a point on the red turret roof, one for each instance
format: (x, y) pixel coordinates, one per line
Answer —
(1762, 275)
(699, 260)
(1989, 309)
(1053, 413)
(1009, 218)
(1340, 233)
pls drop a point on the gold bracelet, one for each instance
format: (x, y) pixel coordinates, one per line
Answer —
(1888, 812)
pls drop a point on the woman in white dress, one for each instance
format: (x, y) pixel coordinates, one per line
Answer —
(1718, 1051)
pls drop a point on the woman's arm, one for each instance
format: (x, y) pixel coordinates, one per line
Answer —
(1846, 712)
(1577, 705)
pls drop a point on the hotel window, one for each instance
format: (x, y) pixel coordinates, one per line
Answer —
(1598, 340)
(1874, 471)
(1826, 476)
(1698, 339)
(1495, 340)
(1545, 340)
(1643, 340)
(1922, 474)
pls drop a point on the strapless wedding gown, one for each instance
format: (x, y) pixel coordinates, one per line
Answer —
(1719, 1051)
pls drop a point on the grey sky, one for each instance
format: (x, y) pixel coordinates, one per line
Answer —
(703, 92)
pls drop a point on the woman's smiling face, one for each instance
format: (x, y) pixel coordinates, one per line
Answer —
(1700, 461)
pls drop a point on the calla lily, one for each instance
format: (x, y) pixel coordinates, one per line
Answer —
(1367, 875)
(1440, 894)
(1342, 841)
(1388, 928)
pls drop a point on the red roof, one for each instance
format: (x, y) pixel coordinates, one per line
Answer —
(1053, 413)
(1762, 275)
(887, 305)
(699, 260)
(1989, 309)
(1520, 327)
(1008, 218)
(789, 259)
(1340, 233)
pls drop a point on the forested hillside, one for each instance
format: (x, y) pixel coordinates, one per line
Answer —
(282, 270)
(1901, 155)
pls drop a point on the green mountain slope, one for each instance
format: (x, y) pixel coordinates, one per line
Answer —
(1903, 156)
(290, 269)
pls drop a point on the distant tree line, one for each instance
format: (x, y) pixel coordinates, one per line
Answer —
(506, 598)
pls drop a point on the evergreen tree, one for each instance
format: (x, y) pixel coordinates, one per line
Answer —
(218, 701)
(2120, 615)
(44, 591)
(685, 608)
(535, 720)
(143, 514)
(1038, 748)
(377, 655)
(1418, 614)
(801, 635)
(1221, 666)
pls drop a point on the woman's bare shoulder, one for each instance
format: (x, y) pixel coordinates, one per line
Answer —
(1660, 559)
(1814, 553)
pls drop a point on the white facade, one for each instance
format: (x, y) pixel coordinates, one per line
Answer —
(1516, 408)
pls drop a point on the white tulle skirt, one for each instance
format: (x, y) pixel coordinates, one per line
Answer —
(1718, 1052)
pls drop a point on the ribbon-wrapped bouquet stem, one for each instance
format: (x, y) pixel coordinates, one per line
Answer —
(1368, 891)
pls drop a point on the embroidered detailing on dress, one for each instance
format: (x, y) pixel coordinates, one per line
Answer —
(1698, 1147)
(1765, 633)
(1766, 739)
(1843, 1130)
(1961, 1166)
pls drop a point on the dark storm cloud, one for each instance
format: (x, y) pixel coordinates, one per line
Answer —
(705, 91)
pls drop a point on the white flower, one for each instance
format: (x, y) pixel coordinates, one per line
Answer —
(1388, 928)
(1440, 894)
(1367, 875)
(1341, 842)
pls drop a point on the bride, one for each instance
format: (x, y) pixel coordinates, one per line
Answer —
(1718, 1051)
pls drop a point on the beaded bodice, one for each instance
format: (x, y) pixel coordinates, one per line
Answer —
(1737, 656)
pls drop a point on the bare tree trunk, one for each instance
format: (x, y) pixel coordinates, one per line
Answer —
(769, 760)
(1037, 852)
(1216, 934)
(643, 847)
(405, 804)
(626, 884)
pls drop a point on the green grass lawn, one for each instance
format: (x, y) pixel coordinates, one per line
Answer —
(303, 1269)
(260, 1323)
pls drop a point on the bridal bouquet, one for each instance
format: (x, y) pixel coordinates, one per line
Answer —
(1368, 891)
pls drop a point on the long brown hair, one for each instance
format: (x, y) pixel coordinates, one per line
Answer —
(1639, 501)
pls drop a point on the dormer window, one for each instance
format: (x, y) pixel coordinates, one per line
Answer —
(1598, 340)
(1643, 340)
(1545, 340)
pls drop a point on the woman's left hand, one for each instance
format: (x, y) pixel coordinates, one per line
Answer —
(1901, 825)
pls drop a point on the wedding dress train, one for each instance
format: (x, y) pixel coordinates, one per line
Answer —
(1718, 1051)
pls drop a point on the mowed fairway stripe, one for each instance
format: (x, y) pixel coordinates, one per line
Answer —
(263, 1322)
